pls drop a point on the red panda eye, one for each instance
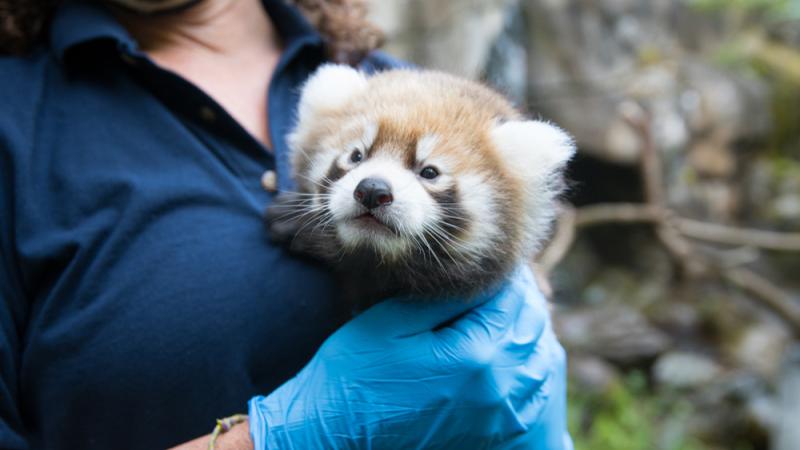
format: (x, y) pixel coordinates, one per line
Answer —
(356, 156)
(429, 173)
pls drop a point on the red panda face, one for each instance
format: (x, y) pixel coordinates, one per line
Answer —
(397, 193)
(419, 164)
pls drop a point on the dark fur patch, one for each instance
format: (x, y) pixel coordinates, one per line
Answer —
(332, 176)
(456, 220)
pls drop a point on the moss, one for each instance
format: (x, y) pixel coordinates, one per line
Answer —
(785, 135)
(775, 190)
(628, 417)
(771, 9)
(650, 55)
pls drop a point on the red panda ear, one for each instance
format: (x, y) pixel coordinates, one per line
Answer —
(329, 89)
(532, 148)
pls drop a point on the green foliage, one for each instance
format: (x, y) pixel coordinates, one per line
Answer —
(628, 417)
(754, 52)
(772, 9)
(786, 116)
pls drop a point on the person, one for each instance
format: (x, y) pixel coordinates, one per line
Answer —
(140, 296)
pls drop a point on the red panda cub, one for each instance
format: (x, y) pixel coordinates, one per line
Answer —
(418, 183)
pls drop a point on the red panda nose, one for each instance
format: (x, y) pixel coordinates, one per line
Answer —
(373, 192)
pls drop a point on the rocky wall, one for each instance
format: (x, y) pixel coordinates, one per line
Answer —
(717, 90)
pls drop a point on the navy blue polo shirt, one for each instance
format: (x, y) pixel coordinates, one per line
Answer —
(140, 297)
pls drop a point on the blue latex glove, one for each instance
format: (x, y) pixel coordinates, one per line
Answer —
(392, 378)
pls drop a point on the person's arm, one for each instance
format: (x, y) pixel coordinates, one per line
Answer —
(407, 375)
(237, 438)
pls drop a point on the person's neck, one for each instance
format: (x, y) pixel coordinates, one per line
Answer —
(221, 28)
(228, 48)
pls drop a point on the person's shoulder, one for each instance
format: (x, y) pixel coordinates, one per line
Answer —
(377, 61)
(22, 69)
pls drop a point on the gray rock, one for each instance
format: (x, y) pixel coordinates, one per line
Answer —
(616, 333)
(772, 191)
(679, 369)
(787, 431)
(710, 159)
(733, 409)
(455, 36)
(591, 374)
(575, 62)
(507, 66)
(676, 317)
(760, 347)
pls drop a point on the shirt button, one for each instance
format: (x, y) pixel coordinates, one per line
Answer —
(269, 181)
(208, 114)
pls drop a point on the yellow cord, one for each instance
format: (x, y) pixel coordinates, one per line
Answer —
(224, 425)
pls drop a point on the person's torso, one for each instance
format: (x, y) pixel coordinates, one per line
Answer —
(156, 301)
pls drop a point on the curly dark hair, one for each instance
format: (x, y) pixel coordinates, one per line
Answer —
(21, 23)
(343, 24)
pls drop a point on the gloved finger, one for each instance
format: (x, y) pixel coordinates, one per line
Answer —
(482, 327)
(403, 317)
(541, 377)
(491, 320)
(529, 325)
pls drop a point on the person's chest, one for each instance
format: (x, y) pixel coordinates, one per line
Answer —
(239, 83)
(151, 275)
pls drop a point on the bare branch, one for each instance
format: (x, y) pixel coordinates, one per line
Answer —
(722, 234)
(650, 165)
(673, 231)
(770, 295)
(561, 242)
(616, 213)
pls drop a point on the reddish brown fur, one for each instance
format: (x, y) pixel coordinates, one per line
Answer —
(496, 210)
(461, 113)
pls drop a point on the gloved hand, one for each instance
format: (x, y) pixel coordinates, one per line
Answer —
(395, 378)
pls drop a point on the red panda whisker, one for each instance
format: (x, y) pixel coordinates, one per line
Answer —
(455, 242)
(433, 253)
(304, 226)
(443, 245)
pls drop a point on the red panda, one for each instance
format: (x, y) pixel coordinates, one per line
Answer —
(414, 182)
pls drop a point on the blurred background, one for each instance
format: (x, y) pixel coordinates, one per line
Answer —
(675, 267)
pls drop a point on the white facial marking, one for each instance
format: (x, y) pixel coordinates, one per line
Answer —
(361, 143)
(411, 208)
(425, 146)
(368, 136)
(479, 203)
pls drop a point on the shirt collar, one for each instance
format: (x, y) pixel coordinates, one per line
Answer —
(80, 22)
